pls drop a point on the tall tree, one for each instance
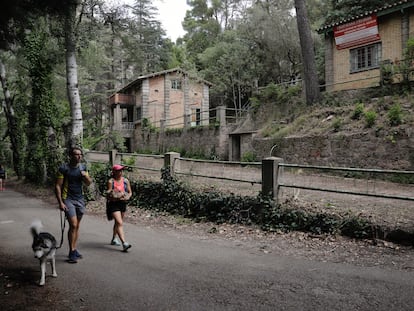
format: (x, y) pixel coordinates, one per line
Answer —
(202, 28)
(146, 49)
(71, 16)
(270, 29)
(41, 153)
(310, 75)
(14, 120)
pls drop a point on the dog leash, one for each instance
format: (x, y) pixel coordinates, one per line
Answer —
(62, 227)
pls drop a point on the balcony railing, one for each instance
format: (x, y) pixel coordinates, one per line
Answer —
(122, 99)
(127, 126)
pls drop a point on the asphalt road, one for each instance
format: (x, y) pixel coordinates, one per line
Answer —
(176, 271)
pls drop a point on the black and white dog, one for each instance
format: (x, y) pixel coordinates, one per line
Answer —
(44, 248)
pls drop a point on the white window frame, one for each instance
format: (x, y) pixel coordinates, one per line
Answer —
(365, 57)
(176, 84)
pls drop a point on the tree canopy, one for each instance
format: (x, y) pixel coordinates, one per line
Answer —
(240, 46)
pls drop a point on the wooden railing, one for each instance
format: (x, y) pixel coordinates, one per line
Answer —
(119, 98)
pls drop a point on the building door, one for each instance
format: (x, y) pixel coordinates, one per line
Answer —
(127, 144)
(235, 148)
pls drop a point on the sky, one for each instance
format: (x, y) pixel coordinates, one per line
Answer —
(170, 13)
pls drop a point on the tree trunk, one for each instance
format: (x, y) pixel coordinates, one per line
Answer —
(310, 75)
(76, 135)
(13, 131)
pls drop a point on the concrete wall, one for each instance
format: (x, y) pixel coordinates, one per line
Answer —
(208, 141)
(360, 150)
(363, 150)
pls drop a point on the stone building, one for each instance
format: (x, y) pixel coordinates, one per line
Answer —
(166, 99)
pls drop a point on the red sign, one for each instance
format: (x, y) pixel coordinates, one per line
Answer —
(358, 32)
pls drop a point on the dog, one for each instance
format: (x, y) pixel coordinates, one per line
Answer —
(44, 248)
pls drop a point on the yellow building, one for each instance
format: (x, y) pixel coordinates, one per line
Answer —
(357, 48)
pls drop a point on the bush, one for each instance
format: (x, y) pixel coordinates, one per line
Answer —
(337, 124)
(248, 157)
(176, 198)
(395, 115)
(358, 111)
(370, 118)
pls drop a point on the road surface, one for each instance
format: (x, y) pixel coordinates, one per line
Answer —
(177, 271)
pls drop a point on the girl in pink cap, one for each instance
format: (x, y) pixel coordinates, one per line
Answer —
(118, 193)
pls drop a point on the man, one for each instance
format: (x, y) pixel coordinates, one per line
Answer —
(68, 190)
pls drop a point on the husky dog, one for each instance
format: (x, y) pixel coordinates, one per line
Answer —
(44, 248)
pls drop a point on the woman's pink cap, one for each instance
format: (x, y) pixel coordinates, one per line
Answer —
(117, 167)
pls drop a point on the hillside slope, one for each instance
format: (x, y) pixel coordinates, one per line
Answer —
(384, 126)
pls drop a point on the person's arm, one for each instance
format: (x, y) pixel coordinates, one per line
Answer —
(109, 190)
(58, 193)
(86, 178)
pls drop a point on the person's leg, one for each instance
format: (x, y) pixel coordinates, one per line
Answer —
(119, 222)
(119, 225)
(114, 233)
(73, 232)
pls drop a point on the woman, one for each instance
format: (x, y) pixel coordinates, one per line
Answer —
(118, 193)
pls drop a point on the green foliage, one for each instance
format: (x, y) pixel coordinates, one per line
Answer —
(358, 111)
(42, 157)
(129, 161)
(395, 115)
(386, 75)
(175, 197)
(100, 173)
(344, 9)
(337, 123)
(409, 50)
(370, 118)
(248, 156)
(356, 227)
(278, 93)
(174, 131)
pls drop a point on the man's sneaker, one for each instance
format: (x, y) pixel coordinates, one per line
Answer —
(115, 242)
(126, 246)
(72, 257)
(77, 254)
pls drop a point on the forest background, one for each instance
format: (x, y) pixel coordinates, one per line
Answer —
(60, 60)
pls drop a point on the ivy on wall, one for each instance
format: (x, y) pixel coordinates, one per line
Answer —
(41, 158)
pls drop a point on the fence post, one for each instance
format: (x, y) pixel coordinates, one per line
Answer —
(171, 160)
(270, 177)
(112, 156)
(221, 115)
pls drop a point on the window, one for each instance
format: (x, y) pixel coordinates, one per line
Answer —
(195, 116)
(139, 113)
(126, 114)
(366, 57)
(176, 84)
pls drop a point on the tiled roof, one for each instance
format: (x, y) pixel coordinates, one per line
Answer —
(160, 73)
(386, 9)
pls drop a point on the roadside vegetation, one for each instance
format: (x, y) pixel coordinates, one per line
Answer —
(177, 198)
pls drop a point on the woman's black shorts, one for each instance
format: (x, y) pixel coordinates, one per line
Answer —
(115, 206)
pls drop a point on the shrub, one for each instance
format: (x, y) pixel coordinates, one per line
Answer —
(248, 157)
(358, 111)
(395, 115)
(175, 197)
(370, 118)
(337, 124)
